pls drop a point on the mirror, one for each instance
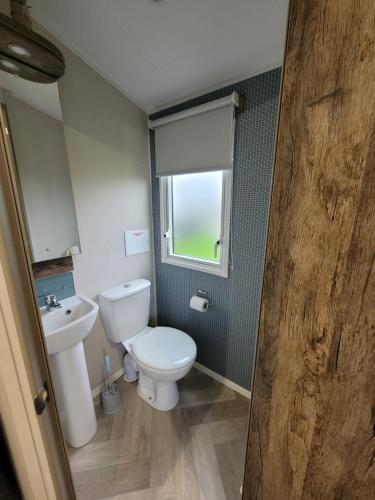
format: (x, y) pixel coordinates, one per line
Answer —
(37, 134)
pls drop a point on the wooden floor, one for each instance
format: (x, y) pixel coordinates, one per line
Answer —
(195, 452)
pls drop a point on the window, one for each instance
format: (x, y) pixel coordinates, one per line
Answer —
(194, 162)
(195, 220)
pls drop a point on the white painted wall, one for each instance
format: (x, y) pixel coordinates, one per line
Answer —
(107, 145)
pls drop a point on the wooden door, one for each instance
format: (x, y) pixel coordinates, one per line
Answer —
(36, 442)
(312, 422)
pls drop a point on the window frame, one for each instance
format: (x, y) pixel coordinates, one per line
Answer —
(220, 268)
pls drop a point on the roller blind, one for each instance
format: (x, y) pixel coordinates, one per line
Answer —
(197, 140)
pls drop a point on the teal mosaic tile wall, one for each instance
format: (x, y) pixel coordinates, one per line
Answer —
(226, 334)
(61, 285)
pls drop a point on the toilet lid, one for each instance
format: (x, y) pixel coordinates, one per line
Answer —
(165, 348)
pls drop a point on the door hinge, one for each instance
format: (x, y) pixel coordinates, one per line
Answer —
(41, 400)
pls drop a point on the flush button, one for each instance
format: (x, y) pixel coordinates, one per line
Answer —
(127, 285)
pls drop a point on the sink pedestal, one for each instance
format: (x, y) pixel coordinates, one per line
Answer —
(73, 393)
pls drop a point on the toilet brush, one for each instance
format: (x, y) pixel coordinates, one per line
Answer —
(110, 396)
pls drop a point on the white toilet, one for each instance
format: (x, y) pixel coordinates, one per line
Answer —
(164, 355)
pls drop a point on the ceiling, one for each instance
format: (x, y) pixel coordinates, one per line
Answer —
(158, 53)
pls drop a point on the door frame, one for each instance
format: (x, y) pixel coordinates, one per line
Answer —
(34, 460)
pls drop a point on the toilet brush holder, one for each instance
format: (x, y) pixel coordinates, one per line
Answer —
(110, 398)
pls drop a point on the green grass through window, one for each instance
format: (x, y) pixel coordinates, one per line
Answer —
(199, 246)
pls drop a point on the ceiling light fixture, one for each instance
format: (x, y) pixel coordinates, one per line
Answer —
(25, 53)
(20, 51)
(9, 65)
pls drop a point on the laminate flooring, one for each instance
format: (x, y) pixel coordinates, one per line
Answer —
(194, 452)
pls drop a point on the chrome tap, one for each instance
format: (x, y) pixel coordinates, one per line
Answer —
(51, 302)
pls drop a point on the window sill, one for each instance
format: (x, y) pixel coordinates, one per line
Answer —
(196, 266)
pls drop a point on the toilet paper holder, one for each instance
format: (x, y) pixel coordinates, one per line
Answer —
(203, 294)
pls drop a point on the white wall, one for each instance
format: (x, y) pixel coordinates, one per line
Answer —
(107, 144)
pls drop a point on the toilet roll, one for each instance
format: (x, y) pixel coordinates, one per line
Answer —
(199, 304)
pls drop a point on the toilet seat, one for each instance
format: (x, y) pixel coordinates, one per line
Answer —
(164, 349)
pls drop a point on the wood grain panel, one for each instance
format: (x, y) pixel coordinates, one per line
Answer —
(312, 423)
(52, 267)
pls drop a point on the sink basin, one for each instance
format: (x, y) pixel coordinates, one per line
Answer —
(65, 327)
(64, 331)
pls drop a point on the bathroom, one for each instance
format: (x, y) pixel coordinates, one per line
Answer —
(128, 230)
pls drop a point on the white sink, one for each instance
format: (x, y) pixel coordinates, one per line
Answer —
(64, 330)
(65, 327)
